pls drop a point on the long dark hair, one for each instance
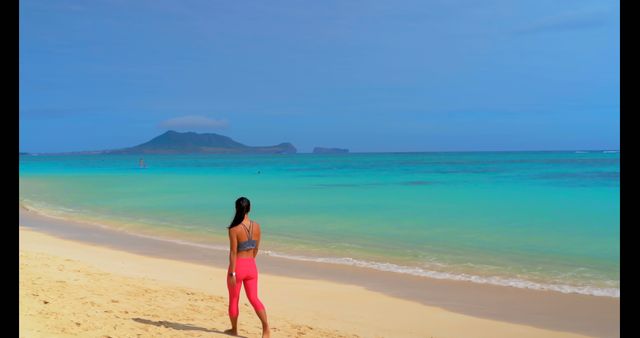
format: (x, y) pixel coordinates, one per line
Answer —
(243, 206)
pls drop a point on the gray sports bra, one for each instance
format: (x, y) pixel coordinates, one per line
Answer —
(250, 243)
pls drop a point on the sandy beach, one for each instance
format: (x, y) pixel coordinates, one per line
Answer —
(74, 288)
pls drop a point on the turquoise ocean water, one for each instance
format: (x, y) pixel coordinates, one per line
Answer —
(542, 220)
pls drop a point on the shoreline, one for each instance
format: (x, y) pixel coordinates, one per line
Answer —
(549, 310)
(217, 242)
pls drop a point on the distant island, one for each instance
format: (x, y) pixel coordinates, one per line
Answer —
(173, 142)
(24, 154)
(322, 150)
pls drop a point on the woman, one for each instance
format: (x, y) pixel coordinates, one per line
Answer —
(244, 239)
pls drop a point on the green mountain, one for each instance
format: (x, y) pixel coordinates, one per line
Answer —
(173, 142)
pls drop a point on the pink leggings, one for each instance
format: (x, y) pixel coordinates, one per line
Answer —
(247, 272)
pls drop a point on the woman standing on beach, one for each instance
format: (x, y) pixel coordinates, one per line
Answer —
(244, 241)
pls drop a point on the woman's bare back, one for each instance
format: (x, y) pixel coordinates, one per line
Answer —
(241, 235)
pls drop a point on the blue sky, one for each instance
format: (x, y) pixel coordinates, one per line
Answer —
(365, 75)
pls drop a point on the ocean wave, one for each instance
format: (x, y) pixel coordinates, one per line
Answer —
(586, 175)
(48, 212)
(182, 242)
(493, 280)
(53, 214)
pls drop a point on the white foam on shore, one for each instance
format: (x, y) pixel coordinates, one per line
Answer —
(44, 212)
(388, 267)
(494, 280)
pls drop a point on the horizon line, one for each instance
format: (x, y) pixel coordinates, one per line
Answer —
(97, 152)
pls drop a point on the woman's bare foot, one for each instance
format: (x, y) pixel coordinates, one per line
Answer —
(233, 332)
(266, 334)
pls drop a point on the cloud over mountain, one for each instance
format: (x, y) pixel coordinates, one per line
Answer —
(193, 122)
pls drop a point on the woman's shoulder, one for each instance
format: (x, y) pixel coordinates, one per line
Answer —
(256, 224)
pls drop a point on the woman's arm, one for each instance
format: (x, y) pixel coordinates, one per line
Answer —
(259, 235)
(233, 250)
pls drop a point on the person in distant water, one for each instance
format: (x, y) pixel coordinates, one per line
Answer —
(244, 240)
(142, 165)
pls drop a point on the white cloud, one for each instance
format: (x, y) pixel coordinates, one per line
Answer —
(193, 123)
(570, 20)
